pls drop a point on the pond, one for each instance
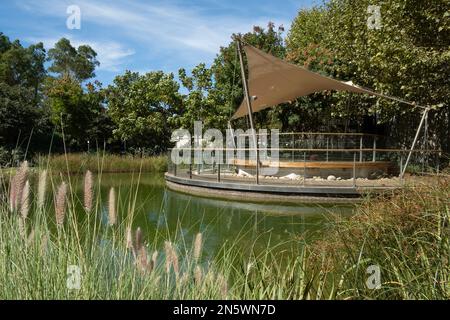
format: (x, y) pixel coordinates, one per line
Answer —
(164, 214)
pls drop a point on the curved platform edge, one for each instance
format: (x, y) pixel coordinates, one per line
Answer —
(246, 196)
(267, 193)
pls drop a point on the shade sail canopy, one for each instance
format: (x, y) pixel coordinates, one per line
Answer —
(273, 81)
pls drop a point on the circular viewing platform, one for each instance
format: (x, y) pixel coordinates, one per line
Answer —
(303, 167)
(272, 189)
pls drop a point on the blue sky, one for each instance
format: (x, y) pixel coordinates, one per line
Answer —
(144, 35)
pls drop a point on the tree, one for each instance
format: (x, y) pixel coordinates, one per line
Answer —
(78, 113)
(142, 108)
(101, 126)
(407, 57)
(225, 93)
(67, 61)
(21, 75)
(196, 104)
(76, 110)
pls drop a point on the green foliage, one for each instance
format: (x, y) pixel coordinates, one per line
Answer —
(197, 105)
(21, 74)
(21, 66)
(225, 83)
(78, 163)
(142, 107)
(75, 112)
(408, 58)
(68, 61)
(406, 235)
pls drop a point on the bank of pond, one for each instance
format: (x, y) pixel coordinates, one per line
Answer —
(134, 238)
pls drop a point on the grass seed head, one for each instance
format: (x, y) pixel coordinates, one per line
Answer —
(88, 191)
(42, 185)
(112, 213)
(60, 205)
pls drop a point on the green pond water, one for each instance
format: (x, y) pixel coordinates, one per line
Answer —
(164, 214)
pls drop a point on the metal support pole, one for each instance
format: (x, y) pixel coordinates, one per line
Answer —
(327, 149)
(415, 141)
(401, 162)
(190, 170)
(360, 149)
(249, 105)
(304, 168)
(218, 172)
(425, 140)
(354, 169)
(374, 152)
(175, 169)
(293, 147)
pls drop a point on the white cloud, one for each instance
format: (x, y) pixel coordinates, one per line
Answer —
(161, 34)
(158, 23)
(110, 54)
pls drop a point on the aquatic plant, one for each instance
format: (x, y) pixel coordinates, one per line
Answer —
(88, 191)
(60, 203)
(16, 186)
(102, 163)
(405, 233)
(42, 186)
(198, 243)
(171, 258)
(25, 201)
(112, 213)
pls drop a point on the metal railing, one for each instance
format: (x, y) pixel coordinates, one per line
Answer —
(347, 156)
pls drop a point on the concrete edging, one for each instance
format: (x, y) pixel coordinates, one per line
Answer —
(263, 193)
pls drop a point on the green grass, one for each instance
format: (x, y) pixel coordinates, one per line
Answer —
(106, 163)
(405, 234)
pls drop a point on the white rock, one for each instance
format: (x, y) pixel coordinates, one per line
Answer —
(242, 173)
(291, 176)
(331, 178)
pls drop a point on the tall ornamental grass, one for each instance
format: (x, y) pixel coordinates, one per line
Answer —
(44, 235)
(405, 235)
(105, 163)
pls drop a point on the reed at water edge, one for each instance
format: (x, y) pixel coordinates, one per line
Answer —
(79, 163)
(406, 235)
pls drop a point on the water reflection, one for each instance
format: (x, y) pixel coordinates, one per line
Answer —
(165, 214)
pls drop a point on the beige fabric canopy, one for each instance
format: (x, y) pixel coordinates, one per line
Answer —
(273, 81)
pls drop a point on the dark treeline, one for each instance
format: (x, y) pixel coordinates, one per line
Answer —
(408, 57)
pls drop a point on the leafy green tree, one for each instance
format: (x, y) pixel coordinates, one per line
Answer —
(69, 113)
(196, 104)
(79, 113)
(21, 75)
(142, 108)
(68, 61)
(407, 57)
(76, 110)
(101, 127)
(225, 91)
(22, 66)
